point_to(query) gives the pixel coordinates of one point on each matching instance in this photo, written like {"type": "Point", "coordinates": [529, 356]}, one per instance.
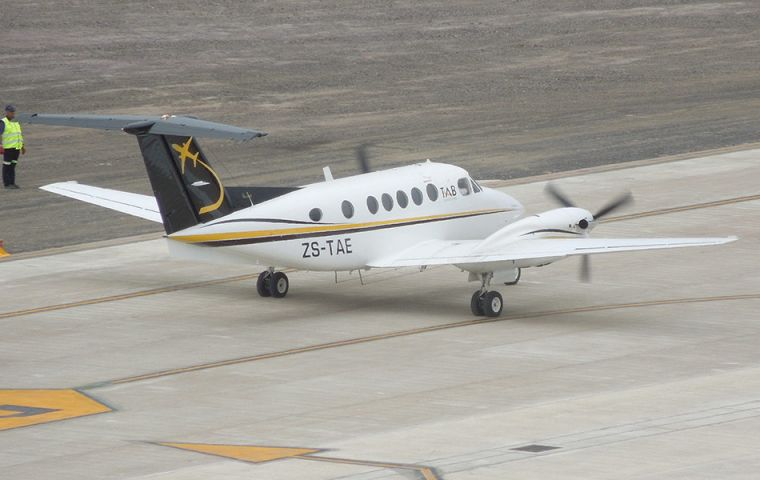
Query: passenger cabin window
{"type": "Point", "coordinates": [402, 199]}
{"type": "Point", "coordinates": [315, 214]}
{"type": "Point", "coordinates": [372, 204]}
{"type": "Point", "coordinates": [387, 201]}
{"type": "Point", "coordinates": [475, 187]}
{"type": "Point", "coordinates": [464, 186]}
{"type": "Point", "coordinates": [348, 208]}
{"type": "Point", "coordinates": [432, 192]}
{"type": "Point", "coordinates": [417, 196]}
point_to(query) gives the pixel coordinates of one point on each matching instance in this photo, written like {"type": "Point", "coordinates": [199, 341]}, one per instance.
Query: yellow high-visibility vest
{"type": "Point", "coordinates": [12, 135]}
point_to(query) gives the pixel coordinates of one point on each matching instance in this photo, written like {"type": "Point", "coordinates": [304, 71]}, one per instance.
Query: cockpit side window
{"type": "Point", "coordinates": [475, 187]}
{"type": "Point", "coordinates": [464, 186]}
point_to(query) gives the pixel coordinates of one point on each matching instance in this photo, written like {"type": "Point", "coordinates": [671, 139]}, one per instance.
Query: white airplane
{"type": "Point", "coordinates": [418, 215]}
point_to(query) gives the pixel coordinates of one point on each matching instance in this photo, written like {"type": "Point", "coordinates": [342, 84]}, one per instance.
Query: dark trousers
{"type": "Point", "coordinates": [10, 159]}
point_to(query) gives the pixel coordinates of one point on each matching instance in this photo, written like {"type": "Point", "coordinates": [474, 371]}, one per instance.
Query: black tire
{"type": "Point", "coordinates": [492, 303]}
{"type": "Point", "coordinates": [262, 284]}
{"type": "Point", "coordinates": [519, 274]}
{"type": "Point", "coordinates": [279, 285]}
{"type": "Point", "coordinates": [475, 306]}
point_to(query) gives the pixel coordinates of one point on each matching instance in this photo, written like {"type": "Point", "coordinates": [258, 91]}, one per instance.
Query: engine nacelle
{"type": "Point", "coordinates": [566, 222]}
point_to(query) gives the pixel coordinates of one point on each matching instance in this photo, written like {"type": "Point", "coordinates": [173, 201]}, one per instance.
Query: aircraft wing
{"type": "Point", "coordinates": [465, 253]}
{"type": "Point", "coordinates": [143, 206]}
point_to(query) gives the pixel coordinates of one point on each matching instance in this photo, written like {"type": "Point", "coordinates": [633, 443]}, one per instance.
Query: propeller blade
{"type": "Point", "coordinates": [363, 158]}
{"type": "Point", "coordinates": [554, 192]}
{"type": "Point", "coordinates": [586, 269]}
{"type": "Point", "coordinates": [620, 201]}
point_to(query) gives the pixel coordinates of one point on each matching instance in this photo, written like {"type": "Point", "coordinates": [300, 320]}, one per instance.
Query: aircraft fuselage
{"type": "Point", "coordinates": [343, 224]}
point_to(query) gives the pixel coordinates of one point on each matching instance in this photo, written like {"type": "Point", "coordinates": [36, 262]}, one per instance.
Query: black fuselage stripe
{"type": "Point", "coordinates": [297, 236]}
{"type": "Point", "coordinates": [269, 220]}
{"type": "Point", "coordinates": [550, 230]}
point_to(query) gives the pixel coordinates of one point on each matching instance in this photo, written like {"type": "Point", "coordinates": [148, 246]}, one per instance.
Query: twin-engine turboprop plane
{"type": "Point", "coordinates": [418, 215]}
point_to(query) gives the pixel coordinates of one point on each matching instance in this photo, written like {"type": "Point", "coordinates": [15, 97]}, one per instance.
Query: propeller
{"type": "Point", "coordinates": [618, 202]}
{"type": "Point", "coordinates": [557, 194]}
{"type": "Point", "coordinates": [363, 158]}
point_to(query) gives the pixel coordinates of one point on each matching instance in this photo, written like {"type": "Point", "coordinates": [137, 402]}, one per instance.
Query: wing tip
{"type": "Point", "coordinates": [51, 186]}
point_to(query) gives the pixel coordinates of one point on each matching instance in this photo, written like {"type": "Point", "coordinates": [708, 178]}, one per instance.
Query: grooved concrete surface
{"type": "Point", "coordinates": [635, 392]}
{"type": "Point", "coordinates": [502, 88]}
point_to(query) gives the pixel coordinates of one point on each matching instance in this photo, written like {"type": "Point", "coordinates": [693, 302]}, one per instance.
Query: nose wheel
{"type": "Point", "coordinates": [272, 284]}
{"type": "Point", "coordinates": [486, 303]}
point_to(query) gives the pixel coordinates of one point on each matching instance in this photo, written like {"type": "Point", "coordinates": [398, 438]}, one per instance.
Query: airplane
{"type": "Point", "coordinates": [418, 215]}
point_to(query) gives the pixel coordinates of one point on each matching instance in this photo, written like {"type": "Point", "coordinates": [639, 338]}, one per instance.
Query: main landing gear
{"type": "Point", "coordinates": [485, 303]}
{"type": "Point", "coordinates": [272, 284]}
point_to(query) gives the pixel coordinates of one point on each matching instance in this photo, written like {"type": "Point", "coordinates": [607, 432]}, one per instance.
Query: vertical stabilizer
{"type": "Point", "coordinates": [186, 187]}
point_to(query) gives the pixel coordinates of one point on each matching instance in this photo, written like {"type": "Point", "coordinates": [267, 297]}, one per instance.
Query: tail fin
{"type": "Point", "coordinates": [187, 188]}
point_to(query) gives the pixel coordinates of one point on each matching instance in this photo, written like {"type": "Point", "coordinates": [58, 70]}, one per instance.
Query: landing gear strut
{"type": "Point", "coordinates": [485, 303]}
{"type": "Point", "coordinates": [272, 284]}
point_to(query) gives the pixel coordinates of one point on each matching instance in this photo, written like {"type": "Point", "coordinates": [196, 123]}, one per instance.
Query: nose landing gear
{"type": "Point", "coordinates": [486, 303]}
{"type": "Point", "coordinates": [272, 284]}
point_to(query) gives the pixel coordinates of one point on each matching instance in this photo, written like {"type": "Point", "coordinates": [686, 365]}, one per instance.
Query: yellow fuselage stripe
{"type": "Point", "coordinates": [213, 237]}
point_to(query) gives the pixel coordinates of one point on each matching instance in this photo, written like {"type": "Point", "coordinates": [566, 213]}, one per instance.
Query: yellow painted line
{"type": "Point", "coordinates": [3, 253]}
{"type": "Point", "coordinates": [21, 408]}
{"type": "Point", "coordinates": [126, 296]}
{"type": "Point", "coordinates": [262, 454]}
{"type": "Point", "coordinates": [684, 208]}
{"type": "Point", "coordinates": [246, 453]}
{"type": "Point", "coordinates": [416, 331]}
{"type": "Point", "coordinates": [210, 237]}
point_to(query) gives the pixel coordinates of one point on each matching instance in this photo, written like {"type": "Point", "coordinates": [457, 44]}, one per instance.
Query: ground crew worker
{"type": "Point", "coordinates": [12, 146]}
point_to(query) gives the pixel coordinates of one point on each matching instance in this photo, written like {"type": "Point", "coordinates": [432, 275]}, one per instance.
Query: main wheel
{"type": "Point", "coordinates": [262, 284]}
{"type": "Point", "coordinates": [491, 303]}
{"type": "Point", "coordinates": [278, 285]}
{"type": "Point", "coordinates": [475, 306]}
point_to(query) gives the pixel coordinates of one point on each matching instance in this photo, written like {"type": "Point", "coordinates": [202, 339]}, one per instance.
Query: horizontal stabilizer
{"type": "Point", "coordinates": [163, 125]}
{"type": "Point", "coordinates": [143, 206]}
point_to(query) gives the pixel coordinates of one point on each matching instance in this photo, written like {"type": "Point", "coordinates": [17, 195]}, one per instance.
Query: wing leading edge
{"type": "Point", "coordinates": [466, 253]}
